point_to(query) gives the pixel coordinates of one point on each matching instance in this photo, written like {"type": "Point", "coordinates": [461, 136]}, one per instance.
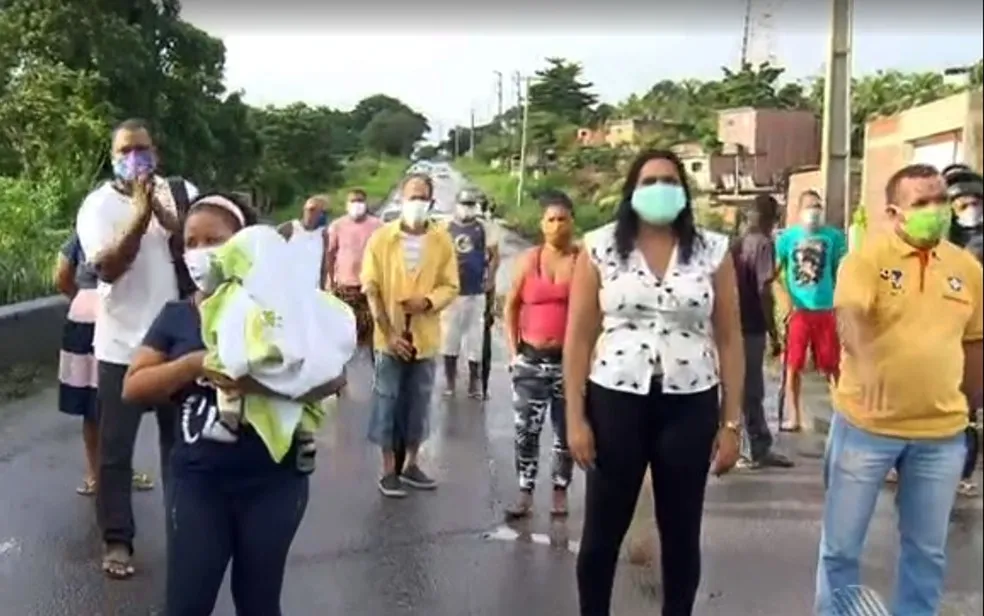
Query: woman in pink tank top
{"type": "Point", "coordinates": [535, 319]}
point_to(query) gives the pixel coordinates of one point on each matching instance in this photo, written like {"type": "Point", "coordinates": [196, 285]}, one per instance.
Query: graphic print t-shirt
{"type": "Point", "coordinates": [469, 241]}
{"type": "Point", "coordinates": [810, 261]}
{"type": "Point", "coordinates": [175, 333]}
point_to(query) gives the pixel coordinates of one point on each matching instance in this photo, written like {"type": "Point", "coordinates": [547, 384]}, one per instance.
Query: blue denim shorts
{"type": "Point", "coordinates": [401, 398]}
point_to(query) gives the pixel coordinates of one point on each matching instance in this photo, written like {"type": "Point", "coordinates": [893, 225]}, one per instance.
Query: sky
{"type": "Point", "coordinates": [442, 61]}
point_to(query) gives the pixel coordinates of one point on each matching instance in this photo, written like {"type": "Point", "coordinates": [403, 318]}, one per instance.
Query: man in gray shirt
{"type": "Point", "coordinates": [755, 265]}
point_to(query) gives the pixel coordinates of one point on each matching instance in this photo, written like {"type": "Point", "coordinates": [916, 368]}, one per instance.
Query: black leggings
{"type": "Point", "coordinates": [674, 436]}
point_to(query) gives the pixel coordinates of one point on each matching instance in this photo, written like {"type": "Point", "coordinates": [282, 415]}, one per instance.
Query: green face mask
{"type": "Point", "coordinates": [927, 224]}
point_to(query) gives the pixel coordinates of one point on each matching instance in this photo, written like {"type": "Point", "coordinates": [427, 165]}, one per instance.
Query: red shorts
{"type": "Point", "coordinates": [816, 330]}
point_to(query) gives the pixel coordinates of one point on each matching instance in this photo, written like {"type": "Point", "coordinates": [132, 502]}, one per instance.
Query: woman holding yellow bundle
{"type": "Point", "coordinates": [228, 500]}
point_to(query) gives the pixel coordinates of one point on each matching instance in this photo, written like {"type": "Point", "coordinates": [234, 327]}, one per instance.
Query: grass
{"type": "Point", "coordinates": [524, 217]}
{"type": "Point", "coordinates": [376, 177]}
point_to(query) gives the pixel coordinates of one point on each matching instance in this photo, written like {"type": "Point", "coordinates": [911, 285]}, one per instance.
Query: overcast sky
{"type": "Point", "coordinates": [442, 61]}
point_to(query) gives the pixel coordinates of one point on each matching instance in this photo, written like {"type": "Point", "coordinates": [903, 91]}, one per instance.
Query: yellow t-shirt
{"type": "Point", "coordinates": [920, 307]}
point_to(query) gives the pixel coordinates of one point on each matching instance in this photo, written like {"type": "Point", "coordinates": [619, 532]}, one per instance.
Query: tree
{"type": "Point", "coordinates": [884, 93]}
{"type": "Point", "coordinates": [393, 133]}
{"type": "Point", "coordinates": [558, 89]}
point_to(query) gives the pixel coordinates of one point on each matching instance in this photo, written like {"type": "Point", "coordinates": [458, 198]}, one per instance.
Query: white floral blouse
{"type": "Point", "coordinates": [656, 327]}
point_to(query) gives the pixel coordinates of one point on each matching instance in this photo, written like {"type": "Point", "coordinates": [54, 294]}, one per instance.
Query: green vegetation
{"type": "Point", "coordinates": [71, 71]}
{"type": "Point", "coordinates": [377, 177]}
{"type": "Point", "coordinates": [673, 112]}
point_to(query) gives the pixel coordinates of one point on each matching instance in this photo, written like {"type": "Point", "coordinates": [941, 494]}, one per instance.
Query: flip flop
{"type": "Point", "coordinates": [142, 482]}
{"type": "Point", "coordinates": [88, 488]}
{"type": "Point", "coordinates": [116, 563]}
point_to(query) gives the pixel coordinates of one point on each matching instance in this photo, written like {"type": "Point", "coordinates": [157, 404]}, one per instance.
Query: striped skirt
{"type": "Point", "coordinates": [356, 299]}
{"type": "Point", "coordinates": [76, 362]}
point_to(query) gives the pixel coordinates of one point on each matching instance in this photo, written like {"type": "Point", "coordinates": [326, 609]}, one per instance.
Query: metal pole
{"type": "Point", "coordinates": [522, 145]}
{"type": "Point", "coordinates": [498, 97]}
{"type": "Point", "coordinates": [745, 35]}
{"type": "Point", "coordinates": [835, 161]}
{"type": "Point", "coordinates": [471, 135]}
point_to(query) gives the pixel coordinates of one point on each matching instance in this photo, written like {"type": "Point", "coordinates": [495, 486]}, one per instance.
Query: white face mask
{"type": "Point", "coordinates": [467, 212]}
{"type": "Point", "coordinates": [357, 209]}
{"type": "Point", "coordinates": [200, 266]}
{"type": "Point", "coordinates": [811, 217]}
{"type": "Point", "coordinates": [970, 217]}
{"type": "Point", "coordinates": [414, 212]}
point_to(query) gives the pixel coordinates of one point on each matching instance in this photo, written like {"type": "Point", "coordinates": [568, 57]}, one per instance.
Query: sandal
{"type": "Point", "coordinates": [559, 509]}
{"type": "Point", "coordinates": [142, 482]}
{"type": "Point", "coordinates": [88, 487]}
{"type": "Point", "coordinates": [521, 508]}
{"type": "Point", "coordinates": [116, 562]}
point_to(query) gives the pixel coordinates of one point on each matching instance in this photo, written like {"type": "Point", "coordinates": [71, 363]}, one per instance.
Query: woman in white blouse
{"type": "Point", "coordinates": [644, 391]}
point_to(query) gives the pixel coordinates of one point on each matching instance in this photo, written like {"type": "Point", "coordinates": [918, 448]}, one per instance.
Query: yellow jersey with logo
{"type": "Point", "coordinates": [920, 307]}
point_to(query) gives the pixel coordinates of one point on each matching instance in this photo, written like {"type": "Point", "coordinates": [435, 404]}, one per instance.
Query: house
{"type": "Point", "coordinates": [590, 137]}
{"type": "Point", "coordinates": [809, 177]}
{"type": "Point", "coordinates": [704, 168]}
{"type": "Point", "coordinates": [765, 143]}
{"type": "Point", "coordinates": [940, 133]}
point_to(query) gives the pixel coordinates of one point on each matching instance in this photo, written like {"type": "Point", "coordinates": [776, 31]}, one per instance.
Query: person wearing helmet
{"type": "Point", "coordinates": [965, 189]}
{"type": "Point", "coordinates": [462, 322]}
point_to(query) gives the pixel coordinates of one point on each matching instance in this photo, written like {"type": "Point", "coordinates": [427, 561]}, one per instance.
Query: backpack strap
{"type": "Point", "coordinates": [179, 194]}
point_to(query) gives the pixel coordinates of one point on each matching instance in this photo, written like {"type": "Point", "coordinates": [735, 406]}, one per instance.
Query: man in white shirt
{"type": "Point", "coordinates": [308, 236]}
{"type": "Point", "coordinates": [124, 227]}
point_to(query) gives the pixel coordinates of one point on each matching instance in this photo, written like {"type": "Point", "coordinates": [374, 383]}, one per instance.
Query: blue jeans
{"type": "Point", "coordinates": [855, 468]}
{"type": "Point", "coordinates": [401, 398]}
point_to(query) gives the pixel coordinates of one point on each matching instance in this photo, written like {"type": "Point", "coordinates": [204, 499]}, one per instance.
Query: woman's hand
{"type": "Point", "coordinates": [581, 443]}
{"type": "Point", "coordinates": [727, 449]}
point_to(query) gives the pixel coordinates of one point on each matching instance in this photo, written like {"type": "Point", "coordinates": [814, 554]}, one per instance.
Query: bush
{"type": "Point", "coordinates": [28, 241]}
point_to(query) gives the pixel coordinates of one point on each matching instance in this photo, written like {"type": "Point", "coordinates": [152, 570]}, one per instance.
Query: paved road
{"type": "Point", "coordinates": [440, 554]}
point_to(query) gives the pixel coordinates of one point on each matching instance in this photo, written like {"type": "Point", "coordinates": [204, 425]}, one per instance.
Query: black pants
{"type": "Point", "coordinates": [118, 426]}
{"type": "Point", "coordinates": [674, 436]}
{"type": "Point", "coordinates": [970, 464]}
{"type": "Point", "coordinates": [250, 520]}
{"type": "Point", "coordinates": [753, 407]}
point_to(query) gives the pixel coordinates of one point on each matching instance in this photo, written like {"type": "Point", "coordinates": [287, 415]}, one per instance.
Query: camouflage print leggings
{"type": "Point", "coordinates": [538, 388]}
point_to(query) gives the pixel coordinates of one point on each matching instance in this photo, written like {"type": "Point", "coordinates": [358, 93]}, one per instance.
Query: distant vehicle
{"type": "Point", "coordinates": [389, 215]}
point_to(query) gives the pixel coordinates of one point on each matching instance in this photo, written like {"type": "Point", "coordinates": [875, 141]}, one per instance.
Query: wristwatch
{"type": "Point", "coordinates": [734, 426]}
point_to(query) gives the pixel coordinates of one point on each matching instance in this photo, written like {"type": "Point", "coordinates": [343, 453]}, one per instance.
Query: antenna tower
{"type": "Point", "coordinates": [759, 43]}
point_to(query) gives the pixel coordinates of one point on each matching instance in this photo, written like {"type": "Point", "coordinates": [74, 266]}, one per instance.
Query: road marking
{"type": "Point", "coordinates": [9, 546]}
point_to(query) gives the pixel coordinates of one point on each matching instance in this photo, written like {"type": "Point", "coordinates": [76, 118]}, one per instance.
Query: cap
{"type": "Point", "coordinates": [470, 195]}
{"type": "Point", "coordinates": [962, 181]}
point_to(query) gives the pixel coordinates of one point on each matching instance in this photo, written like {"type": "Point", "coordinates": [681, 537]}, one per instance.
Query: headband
{"type": "Point", "coordinates": [223, 203]}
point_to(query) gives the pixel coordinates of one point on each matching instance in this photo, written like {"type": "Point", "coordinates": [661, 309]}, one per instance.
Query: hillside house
{"type": "Point", "coordinates": [766, 143]}
{"type": "Point", "coordinates": [704, 168]}
{"type": "Point", "coordinates": [940, 133]}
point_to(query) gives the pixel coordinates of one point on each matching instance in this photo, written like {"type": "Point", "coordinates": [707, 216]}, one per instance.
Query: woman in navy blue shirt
{"type": "Point", "coordinates": [226, 501]}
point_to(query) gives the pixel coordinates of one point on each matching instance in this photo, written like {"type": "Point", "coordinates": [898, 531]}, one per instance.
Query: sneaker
{"type": "Point", "coordinates": [747, 464]}
{"type": "Point", "coordinates": [390, 486]}
{"type": "Point", "coordinates": [415, 478]}
{"type": "Point", "coordinates": [775, 460]}
{"type": "Point", "coordinates": [967, 488]}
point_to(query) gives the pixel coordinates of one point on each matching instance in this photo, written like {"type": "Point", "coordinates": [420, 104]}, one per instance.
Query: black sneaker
{"type": "Point", "coordinates": [775, 460]}
{"type": "Point", "coordinates": [390, 486]}
{"type": "Point", "coordinates": [415, 478]}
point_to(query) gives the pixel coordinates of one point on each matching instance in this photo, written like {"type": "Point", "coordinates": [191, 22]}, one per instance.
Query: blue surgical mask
{"type": "Point", "coordinates": [659, 204]}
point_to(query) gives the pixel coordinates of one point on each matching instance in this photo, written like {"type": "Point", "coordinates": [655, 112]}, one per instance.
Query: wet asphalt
{"type": "Point", "coordinates": [445, 553]}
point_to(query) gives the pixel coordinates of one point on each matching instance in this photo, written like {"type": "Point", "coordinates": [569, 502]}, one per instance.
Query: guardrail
{"type": "Point", "coordinates": [31, 331]}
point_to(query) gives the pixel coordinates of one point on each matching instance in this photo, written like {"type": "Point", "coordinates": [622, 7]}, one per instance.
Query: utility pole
{"type": "Point", "coordinates": [746, 34]}
{"type": "Point", "coordinates": [522, 144]}
{"type": "Point", "coordinates": [471, 135]}
{"type": "Point", "coordinates": [835, 158]}
{"type": "Point", "coordinates": [498, 97]}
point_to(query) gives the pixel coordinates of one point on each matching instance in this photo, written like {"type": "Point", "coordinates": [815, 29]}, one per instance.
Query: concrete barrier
{"type": "Point", "coordinates": [31, 331]}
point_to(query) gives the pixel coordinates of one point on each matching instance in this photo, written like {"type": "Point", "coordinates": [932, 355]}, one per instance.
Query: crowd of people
{"type": "Point", "coordinates": [643, 343]}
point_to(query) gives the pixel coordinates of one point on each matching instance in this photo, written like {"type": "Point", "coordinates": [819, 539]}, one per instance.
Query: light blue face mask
{"type": "Point", "coordinates": [659, 204]}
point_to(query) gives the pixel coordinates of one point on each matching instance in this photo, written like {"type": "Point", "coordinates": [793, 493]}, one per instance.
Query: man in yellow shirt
{"type": "Point", "coordinates": [409, 274]}
{"type": "Point", "coordinates": [909, 309]}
